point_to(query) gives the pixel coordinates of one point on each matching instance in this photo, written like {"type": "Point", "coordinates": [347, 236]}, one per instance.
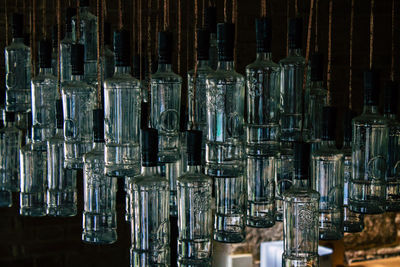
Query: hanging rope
{"type": "Point", "coordinates": [44, 32]}
{"type": "Point", "coordinates": [296, 8]}
{"type": "Point", "coordinates": [140, 39]}
{"type": "Point", "coordinates": [166, 14]}
{"type": "Point", "coordinates": [78, 21]}
{"type": "Point", "coordinates": [193, 99]}
{"type": "Point", "coordinates": [371, 34]}
{"type": "Point", "coordinates": [120, 24]}
{"type": "Point", "coordinates": [234, 21]}
{"type": "Point", "coordinates": [98, 56]}
{"type": "Point", "coordinates": [58, 47]}
{"type": "Point", "coordinates": [316, 26]}
{"type": "Point", "coordinates": [263, 8]}
{"type": "Point", "coordinates": [329, 67]}
{"type": "Point", "coordinates": [392, 45]}
{"type": "Point", "coordinates": [148, 41]}
{"type": "Point", "coordinates": [133, 26]}
{"type": "Point", "coordinates": [33, 51]}
{"type": "Point", "coordinates": [351, 54]}
{"type": "Point", "coordinates": [287, 26]}
{"type": "Point", "coordinates": [104, 9]}
{"type": "Point", "coordinates": [6, 18]}
{"type": "Point", "coordinates": [180, 35]}
{"type": "Point", "coordinates": [225, 11]}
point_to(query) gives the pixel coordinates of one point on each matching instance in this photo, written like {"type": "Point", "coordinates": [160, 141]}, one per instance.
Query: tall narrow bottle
{"type": "Point", "coordinates": [150, 209]}
{"type": "Point", "coordinates": [18, 69]}
{"type": "Point", "coordinates": [210, 20]}
{"type": "Point", "coordinates": [224, 145]}
{"type": "Point", "coordinates": [393, 160]}
{"type": "Point", "coordinates": [369, 153]}
{"type": "Point", "coordinates": [99, 191]}
{"type": "Point", "coordinates": [300, 223]}
{"type": "Point", "coordinates": [352, 222]}
{"type": "Point", "coordinates": [327, 179]}
{"type": "Point", "coordinates": [122, 114]}
{"type": "Point", "coordinates": [292, 77]}
{"type": "Point", "coordinates": [194, 208]}
{"type": "Point", "coordinates": [61, 182]}
{"type": "Point", "coordinates": [78, 101]}
{"type": "Point", "coordinates": [65, 47]}
{"type": "Point", "coordinates": [44, 94]}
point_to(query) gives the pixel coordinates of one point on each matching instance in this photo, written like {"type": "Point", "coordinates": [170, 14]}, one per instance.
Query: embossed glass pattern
{"type": "Point", "coordinates": [393, 167]}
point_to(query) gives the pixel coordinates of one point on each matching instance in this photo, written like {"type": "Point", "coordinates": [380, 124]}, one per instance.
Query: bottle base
{"type": "Point", "coordinates": [33, 211]}
{"type": "Point", "coordinates": [263, 222]}
{"type": "Point", "coordinates": [353, 227]}
{"type": "Point", "coordinates": [100, 237]}
{"type": "Point", "coordinates": [194, 263]}
{"type": "Point", "coordinates": [393, 206]}
{"type": "Point", "coordinates": [62, 211]}
{"type": "Point", "coordinates": [73, 165]}
{"type": "Point", "coordinates": [228, 237]}
{"type": "Point", "coordinates": [33, 204]}
{"type": "Point", "coordinates": [366, 208]}
{"type": "Point", "coordinates": [121, 171]}
{"type": "Point", "coordinates": [306, 261]}
{"type": "Point", "coordinates": [5, 199]}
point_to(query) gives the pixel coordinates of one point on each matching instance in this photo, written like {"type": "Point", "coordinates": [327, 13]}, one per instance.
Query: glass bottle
{"type": "Point", "coordinates": [99, 191]}
{"type": "Point", "coordinates": [300, 223]}
{"type": "Point", "coordinates": [194, 208]}
{"type": "Point", "coordinates": [393, 160]}
{"type": "Point", "coordinates": [317, 99]}
{"type": "Point", "coordinates": [87, 37]}
{"type": "Point", "coordinates": [44, 94]}
{"type": "Point", "coordinates": [292, 77]}
{"type": "Point", "coordinates": [327, 179]}
{"type": "Point", "coordinates": [352, 222]}
{"type": "Point", "coordinates": [165, 101]}
{"type": "Point", "coordinates": [61, 182]}
{"type": "Point", "coordinates": [79, 100]}
{"type": "Point", "coordinates": [122, 114]}
{"type": "Point", "coordinates": [369, 153]}
{"type": "Point", "coordinates": [210, 21]}
{"type": "Point", "coordinates": [65, 47]}
{"type": "Point", "coordinates": [18, 69]}
{"type": "Point", "coordinates": [150, 209]}
{"type": "Point", "coordinates": [5, 192]}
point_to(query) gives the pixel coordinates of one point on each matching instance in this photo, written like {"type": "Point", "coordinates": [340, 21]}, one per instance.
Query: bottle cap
{"type": "Point", "coordinates": [263, 35]}
{"type": "Point", "coordinates": [54, 35]}
{"type": "Point", "coordinates": [59, 114]}
{"type": "Point", "coordinates": [210, 19]}
{"type": "Point", "coordinates": [328, 123]}
{"type": "Point", "coordinates": [107, 33]}
{"type": "Point", "coordinates": [1, 123]}
{"type": "Point", "coordinates": [144, 115]}
{"type": "Point", "coordinates": [27, 39]}
{"type": "Point", "coordinates": [10, 116]}
{"type": "Point", "coordinates": [317, 67]}
{"type": "Point", "coordinates": [136, 67]}
{"type": "Point", "coordinates": [122, 48]}
{"type": "Point", "coordinates": [371, 87]}
{"type": "Point", "coordinates": [77, 59]}
{"type": "Point", "coordinates": [390, 97]}
{"type": "Point", "coordinates": [45, 54]}
{"type": "Point", "coordinates": [83, 3]}
{"type": "Point", "coordinates": [203, 44]}
{"type": "Point", "coordinates": [295, 33]}
{"type": "Point", "coordinates": [18, 25]}
{"type": "Point", "coordinates": [302, 152]}
{"type": "Point", "coordinates": [347, 127]}
{"type": "Point", "coordinates": [164, 47]}
{"type": "Point", "coordinates": [98, 125]}
{"type": "Point", "coordinates": [70, 12]}
{"type": "Point", "coordinates": [225, 41]}
{"type": "Point", "coordinates": [194, 146]}
{"type": "Point", "coordinates": [149, 147]}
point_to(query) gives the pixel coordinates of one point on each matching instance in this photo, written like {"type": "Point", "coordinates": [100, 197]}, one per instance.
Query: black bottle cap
{"type": "Point", "coordinates": [98, 125]}
{"type": "Point", "coordinates": [149, 147]}
{"type": "Point", "coordinates": [77, 59]}
{"type": "Point", "coordinates": [136, 67]}
{"type": "Point", "coordinates": [70, 12]}
{"type": "Point", "coordinates": [17, 25]}
{"type": "Point", "coordinates": [164, 47]}
{"type": "Point", "coordinates": [54, 36]}
{"type": "Point", "coordinates": [302, 152]}
{"type": "Point", "coordinates": [203, 44]}
{"type": "Point", "coordinates": [27, 39]}
{"type": "Point", "coordinates": [107, 33]}
{"type": "Point", "coordinates": [317, 67]}
{"type": "Point", "coordinates": [144, 115]}
{"type": "Point", "coordinates": [10, 116]}
{"type": "Point", "coordinates": [371, 87]}
{"type": "Point", "coordinates": [210, 19]}
{"type": "Point", "coordinates": [194, 145]}
{"type": "Point", "coordinates": [45, 54]}
{"type": "Point", "coordinates": [347, 127]}
{"type": "Point", "coordinates": [83, 3]}
{"type": "Point", "coordinates": [122, 48]}
{"type": "Point", "coordinates": [390, 96]}
{"type": "Point", "coordinates": [59, 114]}
{"type": "Point", "coordinates": [328, 123]}
{"type": "Point", "coordinates": [225, 41]}
{"type": "Point", "coordinates": [295, 33]}
{"type": "Point", "coordinates": [263, 35]}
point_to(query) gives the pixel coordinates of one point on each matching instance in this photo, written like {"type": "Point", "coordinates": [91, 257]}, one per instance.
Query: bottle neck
{"type": "Point", "coordinates": [194, 169]}
{"type": "Point", "coordinates": [390, 116]}
{"type": "Point", "coordinates": [226, 65]}
{"type": "Point", "coordinates": [328, 143]}
{"type": "Point", "coordinates": [346, 144]}
{"type": "Point", "coordinates": [301, 183]}
{"type": "Point", "coordinates": [10, 123]}
{"type": "Point", "coordinates": [370, 109]}
{"type": "Point", "coordinates": [202, 63]}
{"type": "Point", "coordinates": [59, 131]}
{"type": "Point", "coordinates": [317, 84]}
{"type": "Point", "coordinates": [149, 170]}
{"type": "Point", "coordinates": [164, 67]}
{"type": "Point", "coordinates": [295, 52]}
{"type": "Point", "coordinates": [47, 70]}
{"type": "Point", "coordinates": [264, 56]}
{"type": "Point", "coordinates": [98, 145]}
{"type": "Point", "coordinates": [75, 77]}
{"type": "Point", "coordinates": [122, 69]}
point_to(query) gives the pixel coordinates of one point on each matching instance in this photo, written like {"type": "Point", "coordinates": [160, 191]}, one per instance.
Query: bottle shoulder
{"type": "Point", "coordinates": [204, 70]}
{"type": "Point", "coordinates": [44, 78]}
{"type": "Point", "coordinates": [149, 180]}
{"type": "Point", "coordinates": [77, 86]}
{"type": "Point", "coordinates": [318, 92]}
{"type": "Point", "coordinates": [166, 75]}
{"type": "Point", "coordinates": [292, 60]}
{"type": "Point", "coordinates": [14, 46]}
{"type": "Point", "coordinates": [194, 177]}
{"type": "Point", "coordinates": [328, 152]}
{"type": "Point", "coordinates": [94, 155]}
{"type": "Point", "coordinates": [369, 119]}
{"type": "Point", "coordinates": [262, 65]}
{"type": "Point", "coordinates": [225, 76]}
{"type": "Point", "coordinates": [301, 195]}
{"type": "Point", "coordinates": [122, 79]}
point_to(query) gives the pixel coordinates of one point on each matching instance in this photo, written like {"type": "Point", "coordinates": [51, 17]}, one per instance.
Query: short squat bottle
{"type": "Point", "coordinates": [369, 153]}
{"type": "Point", "coordinates": [99, 191]}
{"type": "Point", "coordinates": [79, 100]}
{"type": "Point", "coordinates": [393, 160]}
{"type": "Point", "coordinates": [194, 208]}
{"type": "Point", "coordinates": [150, 209]}
{"type": "Point", "coordinates": [300, 223]}
{"type": "Point", "coordinates": [65, 47]}
{"type": "Point", "coordinates": [327, 179]}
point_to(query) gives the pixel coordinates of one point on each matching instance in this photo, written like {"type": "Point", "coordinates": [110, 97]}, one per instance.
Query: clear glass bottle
{"type": "Point", "coordinates": [393, 159]}
{"type": "Point", "coordinates": [210, 21]}
{"type": "Point", "coordinates": [300, 224]}
{"type": "Point", "coordinates": [352, 222]}
{"type": "Point", "coordinates": [292, 78]}
{"type": "Point", "coordinates": [194, 208]}
{"type": "Point", "coordinates": [87, 37]}
{"type": "Point", "coordinates": [5, 192]}
{"type": "Point", "coordinates": [99, 191]}
{"type": "Point", "coordinates": [65, 47]}
{"type": "Point", "coordinates": [369, 153]}
{"type": "Point", "coordinates": [166, 101]}
{"type": "Point", "coordinates": [61, 182]}
{"type": "Point", "coordinates": [78, 101]}
{"type": "Point", "coordinates": [18, 69]}
{"type": "Point", "coordinates": [44, 94]}
{"type": "Point", "coordinates": [327, 179]}
{"type": "Point", "coordinates": [122, 97]}
{"type": "Point", "coordinates": [150, 209]}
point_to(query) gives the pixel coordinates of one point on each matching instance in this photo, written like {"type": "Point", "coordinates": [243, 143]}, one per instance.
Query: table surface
{"type": "Point", "coordinates": [389, 262]}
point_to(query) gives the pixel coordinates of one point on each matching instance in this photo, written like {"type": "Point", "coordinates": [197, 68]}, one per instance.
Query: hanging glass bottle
{"type": "Point", "coordinates": [210, 21]}
{"type": "Point", "coordinates": [122, 114]}
{"type": "Point", "coordinates": [300, 224]}
{"type": "Point", "coordinates": [150, 209]}
{"type": "Point", "coordinates": [78, 101]}
{"type": "Point", "coordinates": [65, 47]}
{"type": "Point", "coordinates": [99, 191]}
{"type": "Point", "coordinates": [369, 153]}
